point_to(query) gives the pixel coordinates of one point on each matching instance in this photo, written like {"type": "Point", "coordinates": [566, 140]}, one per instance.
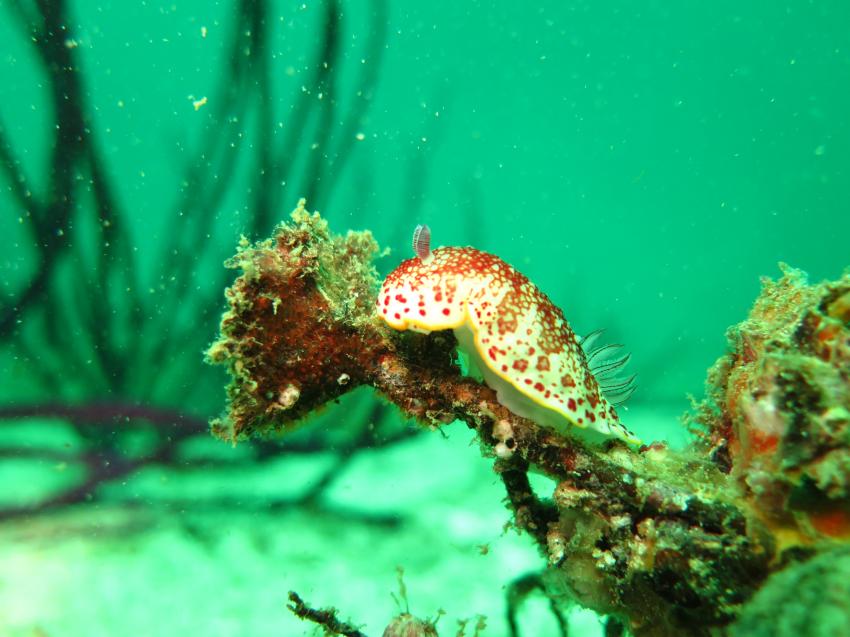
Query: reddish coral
{"type": "Point", "coordinates": [293, 330]}
{"type": "Point", "coordinates": [779, 407]}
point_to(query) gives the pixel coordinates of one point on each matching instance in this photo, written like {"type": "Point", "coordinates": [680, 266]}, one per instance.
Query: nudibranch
{"type": "Point", "coordinates": [513, 333]}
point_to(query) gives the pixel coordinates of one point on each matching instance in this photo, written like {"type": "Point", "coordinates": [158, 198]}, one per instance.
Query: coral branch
{"type": "Point", "coordinates": [668, 542]}
{"type": "Point", "coordinates": [325, 617]}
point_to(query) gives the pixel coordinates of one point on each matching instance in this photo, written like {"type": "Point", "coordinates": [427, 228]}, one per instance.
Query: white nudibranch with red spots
{"type": "Point", "coordinates": [513, 333]}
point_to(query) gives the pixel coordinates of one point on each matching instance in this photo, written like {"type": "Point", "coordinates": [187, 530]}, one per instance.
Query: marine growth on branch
{"type": "Point", "coordinates": [667, 542]}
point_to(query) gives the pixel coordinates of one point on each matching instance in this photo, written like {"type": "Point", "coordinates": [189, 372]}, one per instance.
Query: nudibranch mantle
{"type": "Point", "coordinates": [516, 336]}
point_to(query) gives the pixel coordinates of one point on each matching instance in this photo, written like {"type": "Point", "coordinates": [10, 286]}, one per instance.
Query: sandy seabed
{"type": "Point", "coordinates": [160, 555]}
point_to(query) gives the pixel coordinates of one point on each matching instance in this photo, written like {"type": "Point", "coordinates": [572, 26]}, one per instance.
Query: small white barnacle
{"type": "Point", "coordinates": [288, 396]}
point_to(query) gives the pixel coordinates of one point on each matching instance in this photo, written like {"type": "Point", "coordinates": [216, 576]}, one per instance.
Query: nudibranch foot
{"type": "Point", "coordinates": [513, 333]}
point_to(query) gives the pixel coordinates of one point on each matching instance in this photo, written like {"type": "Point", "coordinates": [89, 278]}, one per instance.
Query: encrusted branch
{"type": "Point", "coordinates": [671, 543]}
{"type": "Point", "coordinates": [325, 617]}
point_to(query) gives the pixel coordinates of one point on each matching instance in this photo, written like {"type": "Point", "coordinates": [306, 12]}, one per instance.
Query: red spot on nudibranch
{"type": "Point", "coordinates": [543, 363]}
{"type": "Point", "coordinates": [571, 404]}
{"type": "Point", "coordinates": [539, 386]}
{"type": "Point", "coordinates": [506, 322]}
{"type": "Point", "coordinates": [590, 415]}
{"type": "Point", "coordinates": [520, 365]}
{"type": "Point", "coordinates": [446, 311]}
{"type": "Point", "coordinates": [567, 381]}
{"type": "Point", "coordinates": [421, 312]}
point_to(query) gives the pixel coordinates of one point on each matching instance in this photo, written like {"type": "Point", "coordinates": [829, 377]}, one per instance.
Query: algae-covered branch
{"type": "Point", "coordinates": [670, 543]}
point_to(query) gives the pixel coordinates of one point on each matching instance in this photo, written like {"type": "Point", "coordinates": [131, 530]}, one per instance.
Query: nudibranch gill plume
{"type": "Point", "coordinates": [512, 332]}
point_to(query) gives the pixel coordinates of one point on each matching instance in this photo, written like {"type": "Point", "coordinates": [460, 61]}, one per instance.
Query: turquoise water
{"type": "Point", "coordinates": [645, 164]}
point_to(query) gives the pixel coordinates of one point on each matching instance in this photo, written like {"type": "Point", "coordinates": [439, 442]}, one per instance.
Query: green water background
{"type": "Point", "coordinates": [645, 163]}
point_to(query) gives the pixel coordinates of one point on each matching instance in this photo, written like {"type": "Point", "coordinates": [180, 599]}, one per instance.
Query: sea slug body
{"type": "Point", "coordinates": [518, 339]}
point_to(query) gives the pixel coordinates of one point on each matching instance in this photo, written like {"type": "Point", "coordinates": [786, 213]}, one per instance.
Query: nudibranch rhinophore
{"type": "Point", "coordinates": [513, 333]}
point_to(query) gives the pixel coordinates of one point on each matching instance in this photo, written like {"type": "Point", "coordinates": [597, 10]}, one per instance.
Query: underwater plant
{"type": "Point", "coordinates": [666, 542]}
{"type": "Point", "coordinates": [99, 338]}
